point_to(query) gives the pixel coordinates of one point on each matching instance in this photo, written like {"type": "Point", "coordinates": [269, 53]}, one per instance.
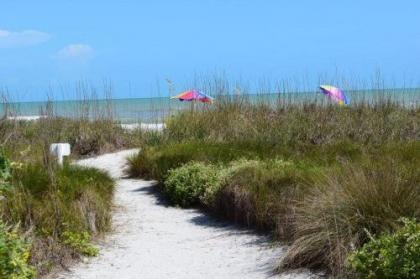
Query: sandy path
{"type": "Point", "coordinates": [152, 240]}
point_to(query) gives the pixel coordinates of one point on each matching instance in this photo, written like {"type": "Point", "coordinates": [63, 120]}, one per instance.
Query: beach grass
{"type": "Point", "coordinates": [345, 172]}
{"type": "Point", "coordinates": [57, 210]}
{"type": "Point", "coordinates": [47, 204]}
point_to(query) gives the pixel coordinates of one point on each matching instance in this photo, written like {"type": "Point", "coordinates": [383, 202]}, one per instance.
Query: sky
{"type": "Point", "coordinates": [137, 45]}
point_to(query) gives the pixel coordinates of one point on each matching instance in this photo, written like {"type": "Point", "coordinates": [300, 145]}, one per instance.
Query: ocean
{"type": "Point", "coordinates": [154, 110]}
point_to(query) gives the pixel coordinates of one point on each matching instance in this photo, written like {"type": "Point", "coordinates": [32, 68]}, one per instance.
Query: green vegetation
{"type": "Point", "coordinates": [4, 173]}
{"type": "Point", "coordinates": [29, 140]}
{"type": "Point", "coordinates": [57, 209]}
{"type": "Point", "coordinates": [262, 193]}
{"type": "Point", "coordinates": [318, 176]}
{"type": "Point", "coordinates": [187, 184]}
{"type": "Point", "coordinates": [49, 202]}
{"type": "Point", "coordinates": [80, 242]}
{"type": "Point", "coordinates": [155, 161]}
{"type": "Point", "coordinates": [14, 255]}
{"type": "Point", "coordinates": [394, 255]}
{"type": "Point", "coordinates": [337, 212]}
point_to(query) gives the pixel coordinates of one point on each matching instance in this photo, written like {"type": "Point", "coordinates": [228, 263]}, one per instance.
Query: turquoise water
{"type": "Point", "coordinates": [151, 110]}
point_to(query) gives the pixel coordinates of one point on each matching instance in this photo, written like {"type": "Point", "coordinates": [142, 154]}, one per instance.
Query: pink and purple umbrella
{"type": "Point", "coordinates": [194, 95]}
{"type": "Point", "coordinates": [335, 94]}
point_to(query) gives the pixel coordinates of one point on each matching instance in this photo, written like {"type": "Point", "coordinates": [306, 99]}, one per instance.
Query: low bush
{"type": "Point", "coordinates": [14, 255]}
{"type": "Point", "coordinates": [185, 185]}
{"type": "Point", "coordinates": [80, 242]}
{"type": "Point", "coordinates": [256, 193]}
{"type": "Point", "coordinates": [389, 256]}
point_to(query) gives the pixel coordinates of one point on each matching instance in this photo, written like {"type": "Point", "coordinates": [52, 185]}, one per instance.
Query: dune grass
{"type": "Point", "coordinates": [87, 138]}
{"type": "Point", "coordinates": [46, 203]}
{"type": "Point", "coordinates": [57, 211]}
{"type": "Point", "coordinates": [338, 214]}
{"type": "Point", "coordinates": [318, 176]}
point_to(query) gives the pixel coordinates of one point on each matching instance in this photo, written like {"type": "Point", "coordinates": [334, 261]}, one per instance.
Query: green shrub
{"type": "Point", "coordinates": [14, 255]}
{"type": "Point", "coordinates": [225, 174]}
{"type": "Point", "coordinates": [80, 242]}
{"type": "Point", "coordinates": [394, 255]}
{"type": "Point", "coordinates": [185, 185]}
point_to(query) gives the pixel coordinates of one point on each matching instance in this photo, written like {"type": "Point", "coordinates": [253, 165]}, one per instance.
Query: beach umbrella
{"type": "Point", "coordinates": [194, 96]}
{"type": "Point", "coordinates": [335, 94]}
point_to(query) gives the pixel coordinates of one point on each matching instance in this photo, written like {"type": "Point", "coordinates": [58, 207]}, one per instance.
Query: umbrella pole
{"type": "Point", "coordinates": [192, 106]}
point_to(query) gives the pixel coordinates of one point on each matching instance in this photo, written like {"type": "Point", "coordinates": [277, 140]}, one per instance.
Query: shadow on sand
{"type": "Point", "coordinates": [153, 190]}
{"type": "Point", "coordinates": [221, 227]}
{"type": "Point", "coordinates": [202, 218]}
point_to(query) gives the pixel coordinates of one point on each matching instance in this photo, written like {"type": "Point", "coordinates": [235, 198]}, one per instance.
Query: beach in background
{"type": "Point", "coordinates": [156, 110]}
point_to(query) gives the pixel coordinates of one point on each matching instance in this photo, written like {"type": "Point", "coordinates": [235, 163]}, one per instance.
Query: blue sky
{"type": "Point", "coordinates": [141, 43]}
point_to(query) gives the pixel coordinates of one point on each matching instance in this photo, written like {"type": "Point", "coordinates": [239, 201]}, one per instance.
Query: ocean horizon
{"type": "Point", "coordinates": [156, 109]}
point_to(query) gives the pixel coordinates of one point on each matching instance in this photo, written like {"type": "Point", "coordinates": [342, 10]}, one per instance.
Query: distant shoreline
{"type": "Point", "coordinates": [129, 127]}
{"type": "Point", "coordinates": [410, 90]}
{"type": "Point", "coordinates": [156, 110]}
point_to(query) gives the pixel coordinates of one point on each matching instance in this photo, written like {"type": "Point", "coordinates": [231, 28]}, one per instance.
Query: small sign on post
{"type": "Point", "coordinates": [60, 150]}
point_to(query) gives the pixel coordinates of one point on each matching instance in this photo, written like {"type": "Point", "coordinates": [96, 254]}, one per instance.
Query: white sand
{"type": "Point", "coordinates": [153, 240]}
{"type": "Point", "coordinates": [129, 127]}
{"type": "Point", "coordinates": [26, 117]}
{"type": "Point", "coordinates": [144, 126]}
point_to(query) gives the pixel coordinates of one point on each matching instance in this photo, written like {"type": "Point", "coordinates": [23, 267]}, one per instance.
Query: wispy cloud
{"type": "Point", "coordinates": [75, 51]}
{"type": "Point", "coordinates": [11, 39]}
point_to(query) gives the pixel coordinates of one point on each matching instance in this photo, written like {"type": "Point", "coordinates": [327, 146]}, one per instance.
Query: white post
{"type": "Point", "coordinates": [60, 150]}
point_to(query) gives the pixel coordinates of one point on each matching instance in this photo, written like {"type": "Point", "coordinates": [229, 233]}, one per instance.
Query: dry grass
{"type": "Point", "coordinates": [298, 124]}
{"type": "Point", "coordinates": [332, 220]}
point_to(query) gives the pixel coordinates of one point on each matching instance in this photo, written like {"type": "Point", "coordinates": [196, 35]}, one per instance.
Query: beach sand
{"type": "Point", "coordinates": [144, 126]}
{"type": "Point", "coordinates": [26, 117]}
{"type": "Point", "coordinates": [128, 127]}
{"type": "Point", "coordinates": [154, 240]}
